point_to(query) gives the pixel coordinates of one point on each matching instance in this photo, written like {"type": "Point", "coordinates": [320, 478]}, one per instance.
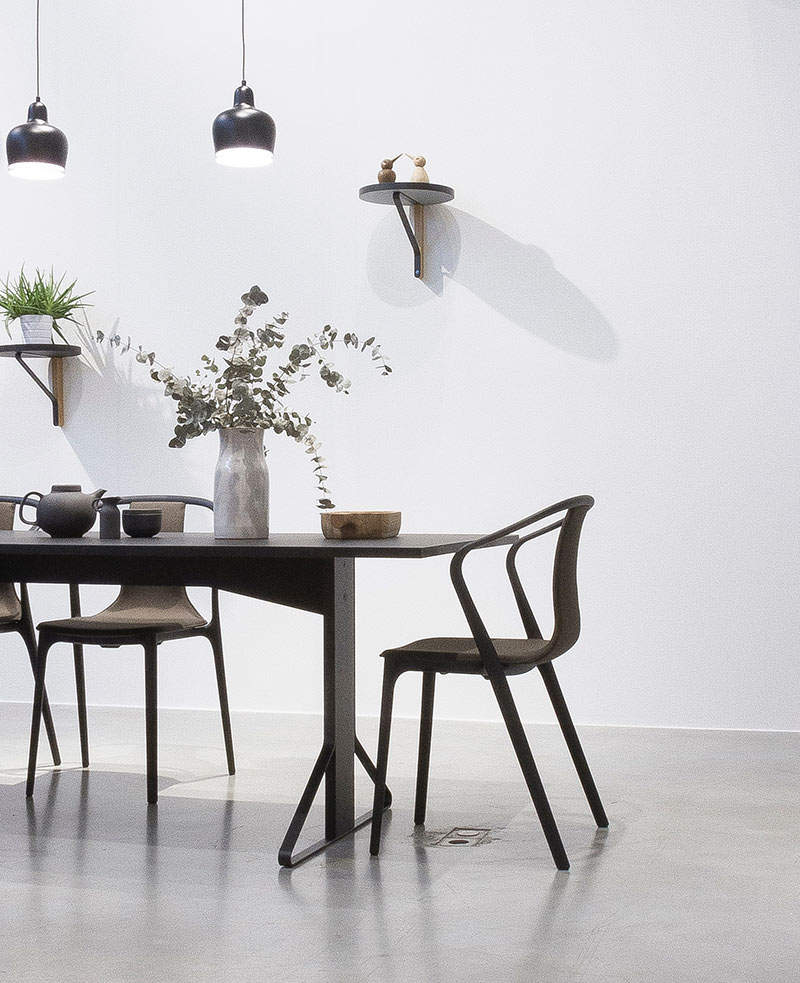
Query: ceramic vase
{"type": "Point", "coordinates": [241, 486]}
{"type": "Point", "coordinates": [37, 329]}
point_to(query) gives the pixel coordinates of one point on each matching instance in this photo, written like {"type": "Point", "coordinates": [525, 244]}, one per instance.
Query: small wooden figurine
{"type": "Point", "coordinates": [419, 175]}
{"type": "Point", "coordinates": [386, 175]}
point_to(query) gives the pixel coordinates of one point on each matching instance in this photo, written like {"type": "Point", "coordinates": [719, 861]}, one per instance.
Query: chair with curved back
{"type": "Point", "coordinates": [15, 616]}
{"type": "Point", "coordinates": [497, 658]}
{"type": "Point", "coordinates": [145, 616]}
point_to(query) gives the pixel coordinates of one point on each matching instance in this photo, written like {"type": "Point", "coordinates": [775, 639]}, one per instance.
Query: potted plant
{"type": "Point", "coordinates": [39, 303]}
{"type": "Point", "coordinates": [236, 393]}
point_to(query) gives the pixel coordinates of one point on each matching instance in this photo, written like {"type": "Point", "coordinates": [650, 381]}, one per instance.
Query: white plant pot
{"type": "Point", "coordinates": [241, 486]}
{"type": "Point", "coordinates": [37, 329]}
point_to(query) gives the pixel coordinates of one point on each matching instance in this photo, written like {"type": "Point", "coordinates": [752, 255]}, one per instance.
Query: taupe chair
{"type": "Point", "coordinates": [145, 616]}
{"type": "Point", "coordinates": [497, 658]}
{"type": "Point", "coordinates": [15, 616]}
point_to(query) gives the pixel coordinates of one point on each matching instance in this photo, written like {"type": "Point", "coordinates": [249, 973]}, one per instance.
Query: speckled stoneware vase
{"type": "Point", "coordinates": [241, 486]}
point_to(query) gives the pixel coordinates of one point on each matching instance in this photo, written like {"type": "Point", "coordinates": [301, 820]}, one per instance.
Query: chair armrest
{"type": "Point", "coordinates": [206, 503]}
{"type": "Point", "coordinates": [474, 620]}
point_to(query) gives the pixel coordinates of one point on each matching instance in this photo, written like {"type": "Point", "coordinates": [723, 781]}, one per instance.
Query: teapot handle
{"type": "Point", "coordinates": [28, 522]}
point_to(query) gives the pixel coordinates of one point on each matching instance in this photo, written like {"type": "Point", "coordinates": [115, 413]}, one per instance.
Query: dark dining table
{"type": "Point", "coordinates": [300, 570]}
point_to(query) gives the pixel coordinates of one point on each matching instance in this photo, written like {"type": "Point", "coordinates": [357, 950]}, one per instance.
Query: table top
{"type": "Point", "coordinates": [411, 545]}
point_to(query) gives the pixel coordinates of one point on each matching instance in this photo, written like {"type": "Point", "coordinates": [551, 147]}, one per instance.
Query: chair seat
{"type": "Point", "coordinates": [136, 609]}
{"type": "Point", "coordinates": [510, 651]}
{"type": "Point", "coordinates": [10, 607]}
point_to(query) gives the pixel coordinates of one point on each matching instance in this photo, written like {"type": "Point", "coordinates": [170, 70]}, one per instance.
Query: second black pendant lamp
{"type": "Point", "coordinates": [37, 149]}
{"type": "Point", "coordinates": [244, 136]}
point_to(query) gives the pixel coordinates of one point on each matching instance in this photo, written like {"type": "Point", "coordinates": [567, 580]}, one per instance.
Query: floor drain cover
{"type": "Point", "coordinates": [461, 836]}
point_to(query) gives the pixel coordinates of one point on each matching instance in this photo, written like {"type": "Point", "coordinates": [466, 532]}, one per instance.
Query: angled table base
{"type": "Point", "coordinates": [325, 761]}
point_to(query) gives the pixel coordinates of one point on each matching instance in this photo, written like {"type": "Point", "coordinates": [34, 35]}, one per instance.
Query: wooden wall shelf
{"type": "Point", "coordinates": [56, 354]}
{"type": "Point", "coordinates": [415, 194]}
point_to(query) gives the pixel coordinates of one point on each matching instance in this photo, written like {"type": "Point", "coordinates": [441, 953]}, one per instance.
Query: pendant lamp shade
{"type": "Point", "coordinates": [244, 136]}
{"type": "Point", "coordinates": [37, 149]}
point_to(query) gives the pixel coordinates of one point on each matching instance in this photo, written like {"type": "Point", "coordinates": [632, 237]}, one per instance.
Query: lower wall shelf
{"type": "Point", "coordinates": [56, 354]}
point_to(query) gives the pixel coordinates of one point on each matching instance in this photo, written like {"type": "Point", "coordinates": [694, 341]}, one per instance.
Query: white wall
{"type": "Point", "coordinates": [611, 307]}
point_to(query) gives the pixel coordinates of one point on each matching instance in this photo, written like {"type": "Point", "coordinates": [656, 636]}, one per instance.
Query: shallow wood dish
{"type": "Point", "coordinates": [360, 525]}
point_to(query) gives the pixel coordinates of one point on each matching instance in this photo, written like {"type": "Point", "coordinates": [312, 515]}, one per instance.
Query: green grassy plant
{"type": "Point", "coordinates": [40, 294]}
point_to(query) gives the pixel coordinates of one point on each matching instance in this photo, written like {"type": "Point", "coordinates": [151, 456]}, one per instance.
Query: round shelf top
{"type": "Point", "coordinates": [411, 193]}
{"type": "Point", "coordinates": [39, 351]}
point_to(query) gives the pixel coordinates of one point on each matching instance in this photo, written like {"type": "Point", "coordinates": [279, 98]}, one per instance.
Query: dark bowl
{"type": "Point", "coordinates": [141, 522]}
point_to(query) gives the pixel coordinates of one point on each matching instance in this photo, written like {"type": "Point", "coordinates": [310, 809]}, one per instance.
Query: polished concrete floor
{"type": "Point", "coordinates": [697, 879]}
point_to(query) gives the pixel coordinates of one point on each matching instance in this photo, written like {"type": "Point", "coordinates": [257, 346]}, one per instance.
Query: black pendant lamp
{"type": "Point", "coordinates": [244, 136]}
{"type": "Point", "coordinates": [37, 149]}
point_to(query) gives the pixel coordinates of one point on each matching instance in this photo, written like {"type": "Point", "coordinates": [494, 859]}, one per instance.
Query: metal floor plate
{"type": "Point", "coordinates": [459, 836]}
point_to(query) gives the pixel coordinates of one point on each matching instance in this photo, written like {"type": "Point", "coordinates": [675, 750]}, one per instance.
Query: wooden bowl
{"type": "Point", "coordinates": [360, 525]}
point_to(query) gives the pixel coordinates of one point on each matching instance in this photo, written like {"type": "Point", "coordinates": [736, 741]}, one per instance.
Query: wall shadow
{"type": "Point", "coordinates": [517, 279]}
{"type": "Point", "coordinates": [119, 423]}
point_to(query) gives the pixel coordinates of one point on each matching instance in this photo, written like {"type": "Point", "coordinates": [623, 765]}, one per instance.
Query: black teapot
{"type": "Point", "coordinates": [66, 512]}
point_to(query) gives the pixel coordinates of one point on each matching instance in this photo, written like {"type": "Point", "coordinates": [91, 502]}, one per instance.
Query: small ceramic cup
{"type": "Point", "coordinates": [141, 522]}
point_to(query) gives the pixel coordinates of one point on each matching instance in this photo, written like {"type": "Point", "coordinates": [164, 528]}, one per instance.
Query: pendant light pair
{"type": "Point", "coordinates": [243, 136]}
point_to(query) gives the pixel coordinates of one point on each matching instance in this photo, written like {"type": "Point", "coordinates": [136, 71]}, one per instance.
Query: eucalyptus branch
{"type": "Point", "coordinates": [235, 393]}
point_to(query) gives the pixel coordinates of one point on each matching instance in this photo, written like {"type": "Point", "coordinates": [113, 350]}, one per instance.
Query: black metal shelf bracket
{"type": "Point", "coordinates": [416, 195]}
{"type": "Point", "coordinates": [56, 355]}
{"type": "Point", "coordinates": [18, 357]}
{"type": "Point", "coordinates": [410, 233]}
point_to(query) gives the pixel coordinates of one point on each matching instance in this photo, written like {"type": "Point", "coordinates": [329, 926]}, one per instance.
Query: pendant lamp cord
{"type": "Point", "coordinates": [243, 72]}
{"type": "Point", "coordinates": [37, 49]}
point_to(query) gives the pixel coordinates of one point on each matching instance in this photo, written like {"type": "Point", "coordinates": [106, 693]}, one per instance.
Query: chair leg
{"type": "Point", "coordinates": [571, 737]}
{"type": "Point", "coordinates": [80, 677]}
{"type": "Point", "coordinates": [215, 637]}
{"type": "Point", "coordinates": [151, 717]}
{"type": "Point", "coordinates": [424, 755]}
{"type": "Point", "coordinates": [29, 638]}
{"type": "Point", "coordinates": [50, 730]}
{"type": "Point", "coordinates": [38, 702]}
{"type": "Point", "coordinates": [524, 755]}
{"type": "Point", "coordinates": [384, 733]}
{"type": "Point", "coordinates": [80, 690]}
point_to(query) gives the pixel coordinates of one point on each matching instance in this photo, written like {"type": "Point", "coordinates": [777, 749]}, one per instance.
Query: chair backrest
{"type": "Point", "coordinates": [173, 507]}
{"type": "Point", "coordinates": [9, 602]}
{"type": "Point", "coordinates": [173, 514]}
{"type": "Point", "coordinates": [566, 611]}
{"type": "Point", "coordinates": [7, 506]}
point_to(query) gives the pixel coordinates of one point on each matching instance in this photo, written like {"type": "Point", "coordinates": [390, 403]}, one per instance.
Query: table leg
{"type": "Point", "coordinates": [336, 761]}
{"type": "Point", "coordinates": [339, 700]}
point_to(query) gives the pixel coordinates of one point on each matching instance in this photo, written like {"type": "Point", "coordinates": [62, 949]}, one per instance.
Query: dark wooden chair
{"type": "Point", "coordinates": [15, 616]}
{"type": "Point", "coordinates": [145, 616]}
{"type": "Point", "coordinates": [496, 659]}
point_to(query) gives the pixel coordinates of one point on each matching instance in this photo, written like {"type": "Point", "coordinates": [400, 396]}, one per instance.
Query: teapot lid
{"type": "Point", "coordinates": [65, 488]}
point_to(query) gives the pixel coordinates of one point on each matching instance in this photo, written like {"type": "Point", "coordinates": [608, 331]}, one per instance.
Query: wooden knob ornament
{"type": "Point", "coordinates": [419, 175]}
{"type": "Point", "coordinates": [386, 175]}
